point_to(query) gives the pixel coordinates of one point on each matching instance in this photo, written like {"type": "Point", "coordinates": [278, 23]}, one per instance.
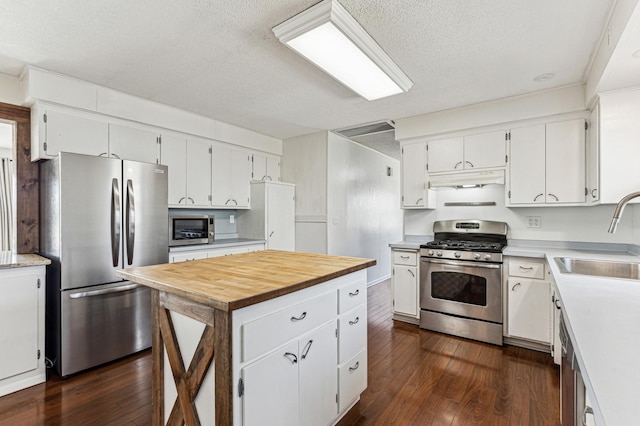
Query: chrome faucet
{"type": "Point", "coordinates": [619, 208]}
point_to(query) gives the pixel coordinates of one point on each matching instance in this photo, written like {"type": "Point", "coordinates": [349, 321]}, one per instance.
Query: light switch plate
{"type": "Point", "coordinates": [533, 222]}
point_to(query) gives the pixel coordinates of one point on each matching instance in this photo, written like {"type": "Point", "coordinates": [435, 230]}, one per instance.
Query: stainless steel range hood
{"type": "Point", "coordinates": [466, 179]}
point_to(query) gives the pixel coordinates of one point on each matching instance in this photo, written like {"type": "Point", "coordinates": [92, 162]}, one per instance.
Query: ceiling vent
{"type": "Point", "coordinates": [379, 136]}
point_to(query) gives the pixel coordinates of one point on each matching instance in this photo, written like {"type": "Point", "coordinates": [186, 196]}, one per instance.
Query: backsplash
{"type": "Point", "coordinates": [580, 224]}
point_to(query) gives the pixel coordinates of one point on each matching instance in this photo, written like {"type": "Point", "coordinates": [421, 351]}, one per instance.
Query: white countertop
{"type": "Point", "coordinates": [603, 321]}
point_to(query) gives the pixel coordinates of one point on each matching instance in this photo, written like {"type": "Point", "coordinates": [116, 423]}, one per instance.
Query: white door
{"type": "Point", "coordinates": [18, 324]}
{"type": "Point", "coordinates": [273, 169]}
{"type": "Point", "coordinates": [280, 212]}
{"type": "Point", "coordinates": [198, 173]}
{"type": "Point", "coordinates": [221, 176]}
{"type": "Point", "coordinates": [318, 376]}
{"type": "Point", "coordinates": [76, 134]}
{"type": "Point", "coordinates": [413, 175]}
{"type": "Point", "coordinates": [240, 178]}
{"type": "Point", "coordinates": [271, 389]}
{"type": "Point", "coordinates": [565, 155]}
{"type": "Point", "coordinates": [259, 167]}
{"type": "Point", "coordinates": [528, 306]}
{"type": "Point", "coordinates": [405, 290]}
{"type": "Point", "coordinates": [527, 165]}
{"type": "Point", "coordinates": [128, 143]}
{"type": "Point", "coordinates": [173, 154]}
{"type": "Point", "coordinates": [485, 150]}
{"type": "Point", "coordinates": [445, 155]}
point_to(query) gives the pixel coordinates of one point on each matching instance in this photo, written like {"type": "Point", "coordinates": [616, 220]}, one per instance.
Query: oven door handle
{"type": "Point", "coordinates": [465, 264]}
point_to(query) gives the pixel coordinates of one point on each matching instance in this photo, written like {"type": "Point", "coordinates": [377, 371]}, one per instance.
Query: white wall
{"type": "Point", "coordinates": [363, 212]}
{"type": "Point", "coordinates": [579, 224]}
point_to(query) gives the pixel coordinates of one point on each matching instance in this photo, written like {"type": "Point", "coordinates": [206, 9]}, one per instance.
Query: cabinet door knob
{"type": "Point", "coordinates": [355, 367]}
{"type": "Point", "coordinates": [411, 272]}
{"type": "Point", "coordinates": [355, 321]}
{"type": "Point", "coordinates": [594, 193]}
{"type": "Point", "coordinates": [300, 318]}
{"type": "Point", "coordinates": [457, 164]}
{"type": "Point", "coordinates": [526, 268]}
{"type": "Point", "coordinates": [292, 357]}
{"type": "Point", "coordinates": [355, 293]}
{"type": "Point", "coordinates": [537, 196]}
{"type": "Point", "coordinates": [514, 286]}
{"type": "Point", "coordinates": [418, 201]}
{"type": "Point", "coordinates": [306, 349]}
{"type": "Point", "coordinates": [551, 195]}
{"type": "Point", "coordinates": [469, 163]}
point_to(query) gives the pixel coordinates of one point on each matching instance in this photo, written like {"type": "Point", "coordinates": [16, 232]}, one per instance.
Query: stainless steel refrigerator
{"type": "Point", "coordinates": [99, 215]}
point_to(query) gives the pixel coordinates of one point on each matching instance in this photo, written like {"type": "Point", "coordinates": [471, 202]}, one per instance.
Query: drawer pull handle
{"type": "Point", "coordinates": [355, 321]}
{"type": "Point", "coordinates": [291, 357]}
{"type": "Point", "coordinates": [355, 367]}
{"type": "Point", "coordinates": [306, 349]}
{"type": "Point", "coordinates": [514, 286]}
{"type": "Point", "coordinates": [404, 257]}
{"type": "Point", "coordinates": [557, 304]}
{"type": "Point", "coordinates": [300, 318]}
{"type": "Point", "coordinates": [526, 268]}
{"type": "Point", "coordinates": [355, 293]}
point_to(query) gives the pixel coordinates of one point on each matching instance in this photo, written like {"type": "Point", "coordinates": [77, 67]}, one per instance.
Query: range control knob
{"type": "Point", "coordinates": [487, 256]}
{"type": "Point", "coordinates": [476, 255]}
{"type": "Point", "coordinates": [457, 254]}
{"type": "Point", "coordinates": [430, 253]}
{"type": "Point", "coordinates": [438, 253]}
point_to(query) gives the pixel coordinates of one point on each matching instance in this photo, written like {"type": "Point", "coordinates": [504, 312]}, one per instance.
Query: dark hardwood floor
{"type": "Point", "coordinates": [415, 378]}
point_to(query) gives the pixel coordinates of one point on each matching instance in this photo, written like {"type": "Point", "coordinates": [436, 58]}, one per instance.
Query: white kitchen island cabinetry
{"type": "Point", "coordinates": [405, 282]}
{"type": "Point", "coordinates": [196, 254]}
{"type": "Point", "coordinates": [547, 164]}
{"type": "Point", "coordinates": [415, 194]}
{"type": "Point", "coordinates": [189, 163]}
{"type": "Point", "coordinates": [471, 152]}
{"type": "Point", "coordinates": [272, 215]}
{"type": "Point", "coordinates": [22, 362]}
{"type": "Point", "coordinates": [528, 294]}
{"type": "Point", "coordinates": [230, 176]}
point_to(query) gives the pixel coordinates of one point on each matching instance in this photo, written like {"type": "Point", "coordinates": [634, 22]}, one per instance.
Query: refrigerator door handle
{"type": "Point", "coordinates": [131, 221]}
{"type": "Point", "coordinates": [92, 293]}
{"type": "Point", "coordinates": [115, 222]}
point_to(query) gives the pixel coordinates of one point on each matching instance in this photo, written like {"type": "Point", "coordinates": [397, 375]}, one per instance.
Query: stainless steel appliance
{"type": "Point", "coordinates": [99, 215]}
{"type": "Point", "coordinates": [461, 279]}
{"type": "Point", "coordinates": [186, 229]}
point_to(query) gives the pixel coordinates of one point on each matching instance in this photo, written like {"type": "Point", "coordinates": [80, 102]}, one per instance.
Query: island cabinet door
{"type": "Point", "coordinates": [271, 389]}
{"type": "Point", "coordinates": [318, 376]}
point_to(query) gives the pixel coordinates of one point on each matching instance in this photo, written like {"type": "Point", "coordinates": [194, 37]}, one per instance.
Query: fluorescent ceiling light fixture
{"type": "Point", "coordinates": [329, 37]}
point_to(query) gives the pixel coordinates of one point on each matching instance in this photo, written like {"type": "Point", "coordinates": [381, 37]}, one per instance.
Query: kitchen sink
{"type": "Point", "coordinates": [600, 268]}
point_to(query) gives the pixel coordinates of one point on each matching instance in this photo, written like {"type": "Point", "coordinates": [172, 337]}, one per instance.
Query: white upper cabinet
{"type": "Point", "coordinates": [593, 157]}
{"type": "Point", "coordinates": [265, 168]}
{"type": "Point", "coordinates": [471, 152]}
{"type": "Point", "coordinates": [485, 150]}
{"type": "Point", "coordinates": [189, 163]}
{"type": "Point", "coordinates": [547, 164]}
{"type": "Point", "coordinates": [230, 176]}
{"type": "Point", "coordinates": [129, 143]}
{"type": "Point", "coordinates": [57, 131]}
{"type": "Point", "coordinates": [414, 177]}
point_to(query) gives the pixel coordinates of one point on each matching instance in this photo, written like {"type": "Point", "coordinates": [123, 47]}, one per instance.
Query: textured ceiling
{"type": "Point", "coordinates": [221, 59]}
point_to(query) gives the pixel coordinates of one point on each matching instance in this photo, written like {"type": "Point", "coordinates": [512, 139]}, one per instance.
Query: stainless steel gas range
{"type": "Point", "coordinates": [461, 279]}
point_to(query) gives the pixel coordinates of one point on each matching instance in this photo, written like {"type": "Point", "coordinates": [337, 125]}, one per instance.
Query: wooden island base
{"type": "Point", "coordinates": [285, 332]}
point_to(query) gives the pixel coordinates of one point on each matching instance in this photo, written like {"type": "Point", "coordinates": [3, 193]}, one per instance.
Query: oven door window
{"type": "Point", "coordinates": [459, 287]}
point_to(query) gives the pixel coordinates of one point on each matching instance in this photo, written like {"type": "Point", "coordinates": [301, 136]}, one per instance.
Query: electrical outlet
{"type": "Point", "coordinates": [232, 218]}
{"type": "Point", "coordinates": [533, 222]}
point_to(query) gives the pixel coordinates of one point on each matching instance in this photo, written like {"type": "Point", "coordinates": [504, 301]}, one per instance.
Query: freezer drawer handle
{"type": "Point", "coordinates": [105, 291]}
{"type": "Point", "coordinates": [115, 222]}
{"type": "Point", "coordinates": [131, 221]}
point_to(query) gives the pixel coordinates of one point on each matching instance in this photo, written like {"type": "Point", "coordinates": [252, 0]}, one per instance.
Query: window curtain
{"type": "Point", "coordinates": [6, 204]}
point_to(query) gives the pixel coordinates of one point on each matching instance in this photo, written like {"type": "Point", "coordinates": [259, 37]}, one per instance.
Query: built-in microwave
{"type": "Point", "coordinates": [186, 229]}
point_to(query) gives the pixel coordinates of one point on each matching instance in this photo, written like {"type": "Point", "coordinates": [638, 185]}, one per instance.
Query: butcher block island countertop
{"type": "Point", "coordinates": [247, 302]}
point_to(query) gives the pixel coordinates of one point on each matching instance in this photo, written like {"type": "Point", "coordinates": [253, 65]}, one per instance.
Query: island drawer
{"type": "Point", "coordinates": [352, 333]}
{"type": "Point", "coordinates": [352, 295]}
{"type": "Point", "coordinates": [352, 379]}
{"type": "Point", "coordinates": [265, 333]}
{"type": "Point", "coordinates": [405, 257]}
{"type": "Point", "coordinates": [529, 268]}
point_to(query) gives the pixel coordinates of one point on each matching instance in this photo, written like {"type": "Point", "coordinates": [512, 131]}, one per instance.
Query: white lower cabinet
{"type": "Point", "coordinates": [556, 308]}
{"type": "Point", "coordinates": [21, 328]}
{"type": "Point", "coordinates": [301, 359]}
{"type": "Point", "coordinates": [528, 294]}
{"type": "Point", "coordinates": [294, 385]}
{"type": "Point", "coordinates": [185, 256]}
{"type": "Point", "coordinates": [405, 283]}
